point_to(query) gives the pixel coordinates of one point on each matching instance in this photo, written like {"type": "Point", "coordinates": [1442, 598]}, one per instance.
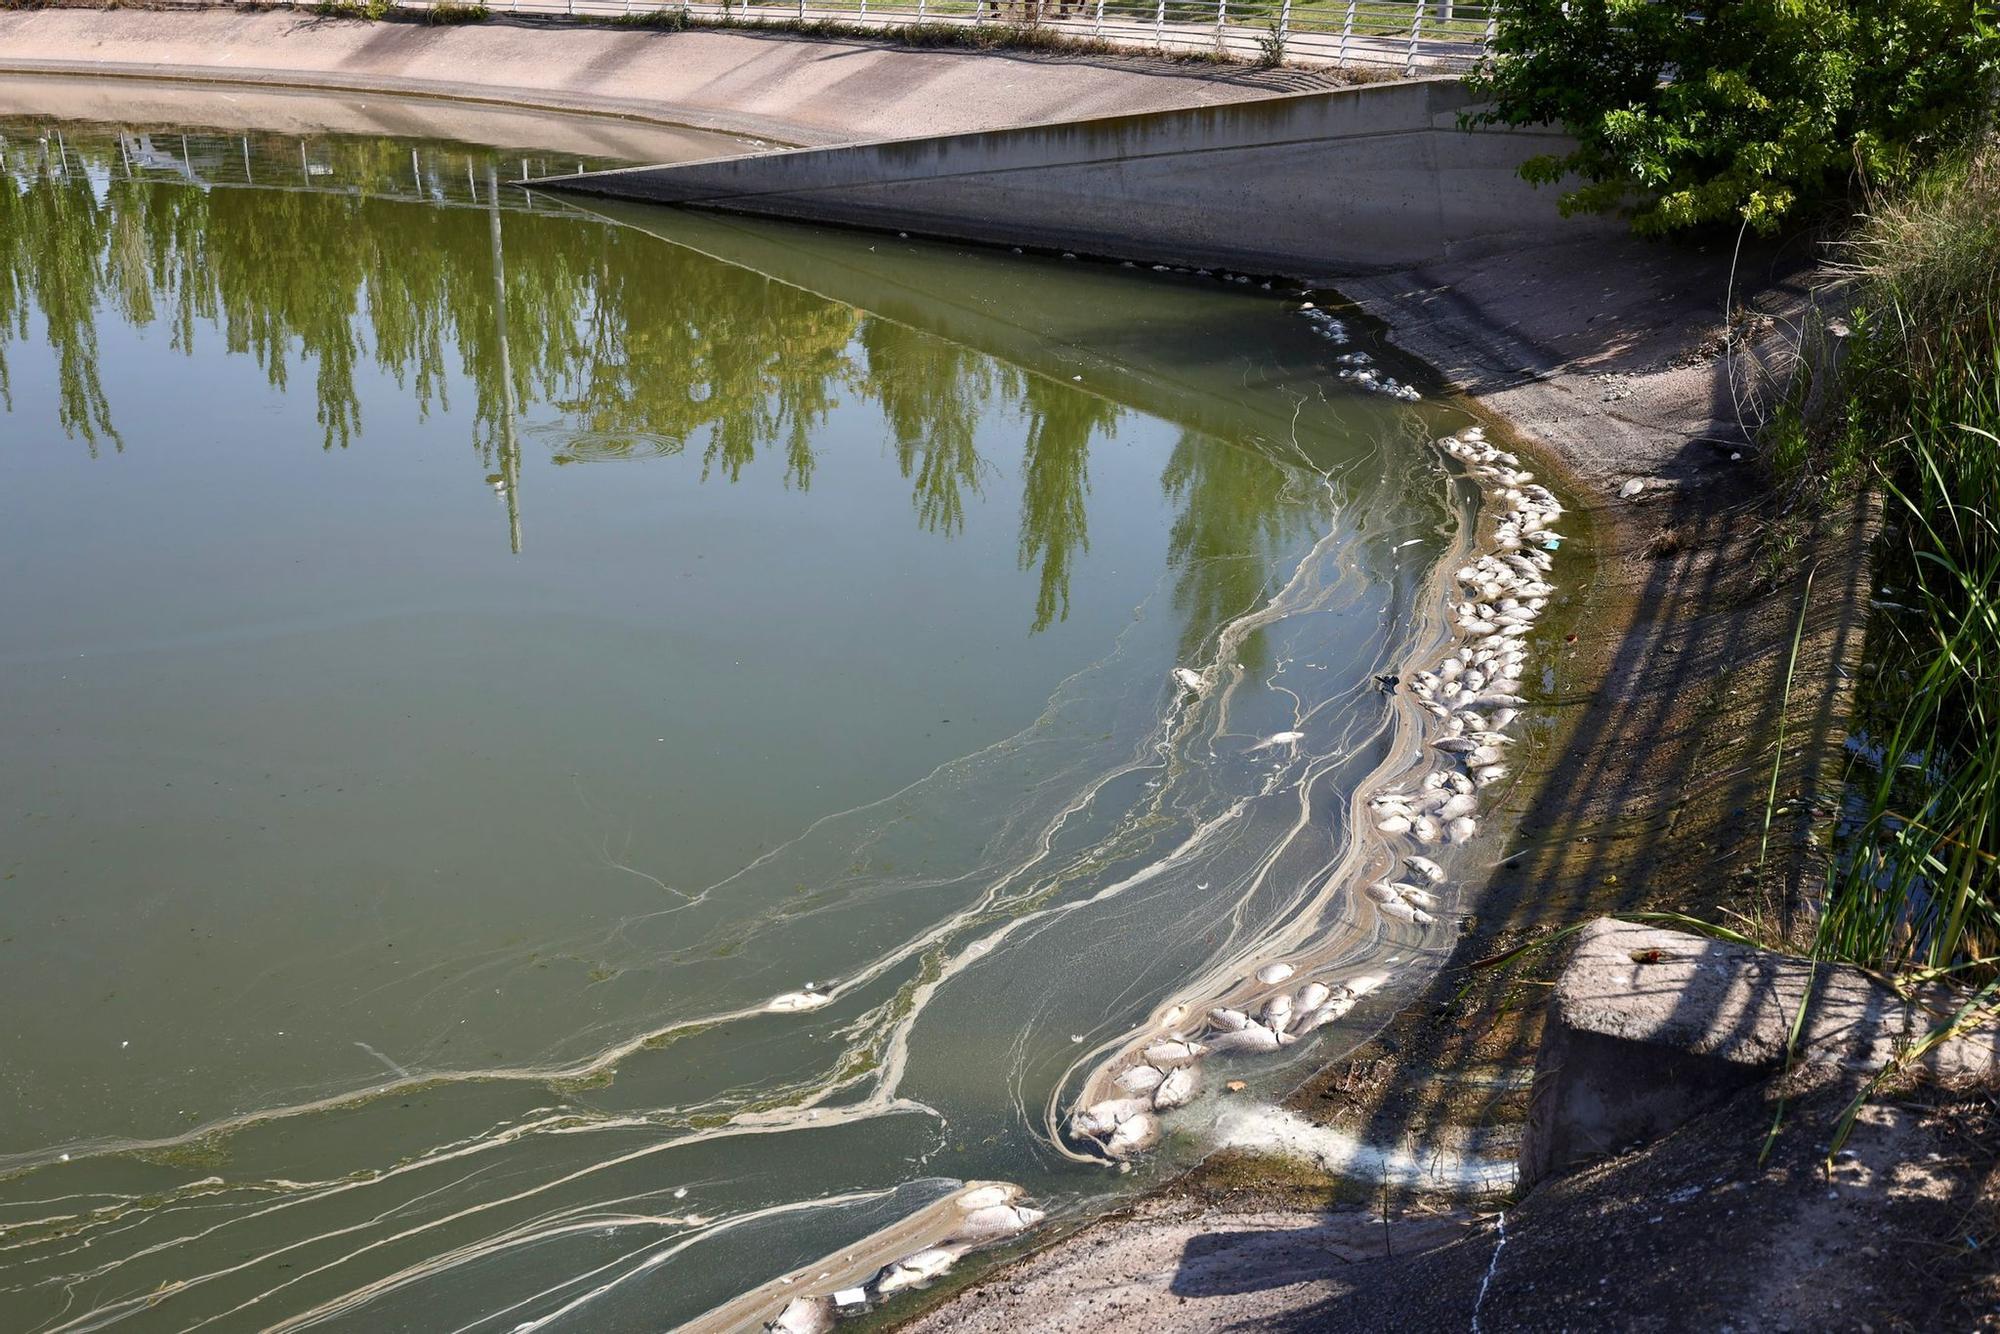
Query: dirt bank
{"type": "Point", "coordinates": [780, 88]}
{"type": "Point", "coordinates": [1614, 363]}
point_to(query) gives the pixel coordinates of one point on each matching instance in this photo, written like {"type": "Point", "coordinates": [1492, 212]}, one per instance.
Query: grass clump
{"type": "Point", "coordinates": [442, 12]}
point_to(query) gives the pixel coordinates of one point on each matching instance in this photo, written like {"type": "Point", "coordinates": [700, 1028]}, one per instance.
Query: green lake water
{"type": "Point", "coordinates": [465, 654]}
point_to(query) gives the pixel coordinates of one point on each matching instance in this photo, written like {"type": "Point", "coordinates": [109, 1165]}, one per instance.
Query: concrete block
{"type": "Point", "coordinates": [1647, 1027]}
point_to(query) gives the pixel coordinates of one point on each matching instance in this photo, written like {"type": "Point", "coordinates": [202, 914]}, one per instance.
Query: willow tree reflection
{"type": "Point", "coordinates": [1237, 506]}
{"type": "Point", "coordinates": [596, 341]}
{"type": "Point", "coordinates": [52, 230]}
{"type": "Point", "coordinates": [1055, 477]}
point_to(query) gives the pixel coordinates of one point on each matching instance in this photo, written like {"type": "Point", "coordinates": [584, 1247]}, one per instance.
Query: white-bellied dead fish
{"type": "Point", "coordinates": [913, 1270]}
{"type": "Point", "coordinates": [1168, 1054]}
{"type": "Point", "coordinates": [1177, 1088]}
{"type": "Point", "coordinates": [1134, 1135]}
{"type": "Point", "coordinates": [1139, 1079]}
{"type": "Point", "coordinates": [805, 1315]}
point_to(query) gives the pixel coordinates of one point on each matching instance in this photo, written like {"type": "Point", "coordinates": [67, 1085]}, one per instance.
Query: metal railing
{"type": "Point", "coordinates": [1406, 36]}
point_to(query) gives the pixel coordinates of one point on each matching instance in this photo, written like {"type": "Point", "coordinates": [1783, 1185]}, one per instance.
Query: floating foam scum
{"type": "Point", "coordinates": [1061, 853]}
{"type": "Point", "coordinates": [1266, 1129]}
{"type": "Point", "coordinates": [1070, 838]}
{"type": "Point", "coordinates": [1462, 708]}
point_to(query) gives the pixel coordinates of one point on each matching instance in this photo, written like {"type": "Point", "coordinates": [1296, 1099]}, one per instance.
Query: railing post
{"type": "Point", "coordinates": [1416, 35]}
{"type": "Point", "coordinates": [1160, 26]}
{"type": "Point", "coordinates": [1346, 34]}
{"type": "Point", "coordinates": [1492, 23]}
{"type": "Point", "coordinates": [920, 11]}
{"type": "Point", "coordinates": [802, 11]}
{"type": "Point", "coordinates": [1284, 24]}
{"type": "Point", "coordinates": [1221, 18]}
{"type": "Point", "coordinates": [1097, 28]}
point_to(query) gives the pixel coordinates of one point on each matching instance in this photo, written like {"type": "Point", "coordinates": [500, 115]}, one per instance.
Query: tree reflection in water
{"type": "Point", "coordinates": [351, 251]}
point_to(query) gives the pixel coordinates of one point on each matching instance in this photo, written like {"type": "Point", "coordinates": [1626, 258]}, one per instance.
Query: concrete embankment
{"type": "Point", "coordinates": [1327, 182]}
{"type": "Point", "coordinates": [784, 89]}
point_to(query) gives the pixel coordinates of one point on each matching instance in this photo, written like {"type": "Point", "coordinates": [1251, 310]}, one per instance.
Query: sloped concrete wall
{"type": "Point", "coordinates": [778, 87]}
{"type": "Point", "coordinates": [1351, 180]}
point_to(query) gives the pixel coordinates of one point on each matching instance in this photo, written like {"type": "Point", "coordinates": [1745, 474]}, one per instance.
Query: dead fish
{"type": "Point", "coordinates": [1426, 868]}
{"type": "Point", "coordinates": [1277, 1012]}
{"type": "Point", "coordinates": [1101, 1118]}
{"type": "Point", "coordinates": [793, 1001]}
{"type": "Point", "coordinates": [1311, 996]}
{"type": "Point", "coordinates": [1004, 1220]}
{"type": "Point", "coordinates": [1279, 739]}
{"type": "Point", "coordinates": [1166, 1055]}
{"type": "Point", "coordinates": [1273, 973]}
{"type": "Point", "coordinates": [913, 1270]}
{"type": "Point", "coordinates": [1394, 824]}
{"type": "Point", "coordinates": [1461, 804]}
{"type": "Point", "coordinates": [1178, 1089]}
{"type": "Point", "coordinates": [1189, 680]}
{"type": "Point", "coordinates": [1319, 1016]}
{"type": "Point", "coordinates": [1249, 1038]}
{"type": "Point", "coordinates": [1463, 828]}
{"type": "Point", "coordinates": [1136, 1135]}
{"type": "Point", "coordinates": [804, 1315]}
{"type": "Point", "coordinates": [984, 1197]}
{"type": "Point", "coordinates": [1227, 1019]}
{"type": "Point", "coordinates": [1404, 912]}
{"type": "Point", "coordinates": [1139, 1079]}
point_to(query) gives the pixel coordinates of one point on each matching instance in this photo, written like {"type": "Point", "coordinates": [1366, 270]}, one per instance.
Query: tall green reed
{"type": "Point", "coordinates": [1916, 887]}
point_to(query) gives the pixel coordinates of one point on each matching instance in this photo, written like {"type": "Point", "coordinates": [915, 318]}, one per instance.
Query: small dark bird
{"type": "Point", "coordinates": [1387, 683]}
